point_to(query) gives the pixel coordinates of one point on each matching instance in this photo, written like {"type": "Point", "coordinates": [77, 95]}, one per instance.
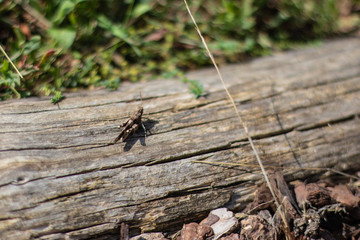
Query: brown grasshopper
{"type": "Point", "coordinates": [131, 125]}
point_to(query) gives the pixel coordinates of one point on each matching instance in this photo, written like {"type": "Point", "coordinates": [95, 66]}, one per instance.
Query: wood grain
{"type": "Point", "coordinates": [61, 179]}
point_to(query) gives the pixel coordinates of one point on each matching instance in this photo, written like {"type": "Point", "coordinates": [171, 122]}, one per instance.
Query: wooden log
{"type": "Point", "coordinates": [61, 179]}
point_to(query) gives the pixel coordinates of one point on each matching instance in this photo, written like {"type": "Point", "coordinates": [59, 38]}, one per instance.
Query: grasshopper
{"type": "Point", "coordinates": [131, 125]}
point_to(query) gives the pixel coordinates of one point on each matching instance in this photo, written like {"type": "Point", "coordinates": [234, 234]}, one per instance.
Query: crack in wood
{"type": "Point", "coordinates": [183, 156]}
{"type": "Point", "coordinates": [69, 231]}
{"type": "Point", "coordinates": [326, 124]}
{"type": "Point", "coordinates": [50, 148]}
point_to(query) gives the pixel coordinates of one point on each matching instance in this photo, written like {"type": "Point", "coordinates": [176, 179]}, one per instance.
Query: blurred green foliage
{"type": "Point", "coordinates": [58, 97]}
{"type": "Point", "coordinates": [71, 44]}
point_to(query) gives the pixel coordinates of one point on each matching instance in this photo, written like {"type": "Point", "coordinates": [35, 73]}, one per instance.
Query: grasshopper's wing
{"type": "Point", "coordinates": [124, 126]}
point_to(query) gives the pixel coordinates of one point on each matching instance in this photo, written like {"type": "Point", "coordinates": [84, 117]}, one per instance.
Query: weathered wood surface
{"type": "Point", "coordinates": [60, 178]}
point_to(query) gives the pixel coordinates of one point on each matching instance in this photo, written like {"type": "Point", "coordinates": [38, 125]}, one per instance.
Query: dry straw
{"type": "Point", "coordinates": [12, 64]}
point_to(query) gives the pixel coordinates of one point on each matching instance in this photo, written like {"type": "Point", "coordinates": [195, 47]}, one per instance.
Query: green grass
{"type": "Point", "coordinates": [71, 44]}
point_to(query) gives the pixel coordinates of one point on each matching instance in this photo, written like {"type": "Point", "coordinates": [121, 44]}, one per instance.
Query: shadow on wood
{"type": "Point", "coordinates": [141, 135]}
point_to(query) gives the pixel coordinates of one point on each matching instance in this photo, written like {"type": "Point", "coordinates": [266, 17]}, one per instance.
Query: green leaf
{"type": "Point", "coordinates": [249, 44]}
{"type": "Point", "coordinates": [196, 88]}
{"type": "Point", "coordinates": [112, 84]}
{"type": "Point", "coordinates": [140, 9]}
{"type": "Point", "coordinates": [65, 8]}
{"type": "Point", "coordinates": [115, 29]}
{"type": "Point", "coordinates": [119, 31]}
{"type": "Point", "coordinates": [229, 46]}
{"type": "Point", "coordinates": [5, 67]}
{"type": "Point", "coordinates": [104, 22]}
{"type": "Point", "coordinates": [264, 40]}
{"type": "Point", "coordinates": [58, 97]}
{"type": "Point", "coordinates": [46, 56]}
{"type": "Point", "coordinates": [64, 37]}
{"type": "Point", "coordinates": [32, 45]}
{"type": "Point", "coordinates": [10, 80]}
